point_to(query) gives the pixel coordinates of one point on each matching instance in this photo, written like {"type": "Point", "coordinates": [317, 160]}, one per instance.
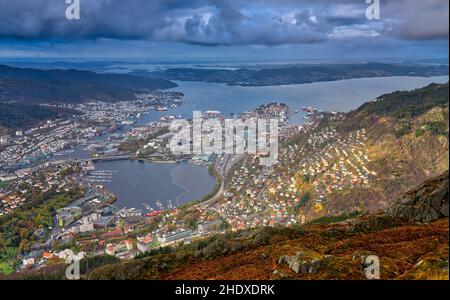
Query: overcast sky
{"type": "Point", "coordinates": [224, 29]}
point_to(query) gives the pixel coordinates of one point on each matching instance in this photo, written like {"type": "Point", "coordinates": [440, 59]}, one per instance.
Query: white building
{"type": "Point", "coordinates": [69, 256]}
{"type": "Point", "coordinates": [27, 262]}
{"type": "Point", "coordinates": [3, 140]}
{"type": "Point", "coordinates": [86, 227]}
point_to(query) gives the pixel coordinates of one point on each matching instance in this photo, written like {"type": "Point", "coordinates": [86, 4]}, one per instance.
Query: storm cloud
{"type": "Point", "coordinates": [224, 22]}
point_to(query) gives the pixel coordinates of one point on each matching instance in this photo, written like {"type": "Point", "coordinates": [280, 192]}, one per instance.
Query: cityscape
{"type": "Point", "coordinates": [224, 140]}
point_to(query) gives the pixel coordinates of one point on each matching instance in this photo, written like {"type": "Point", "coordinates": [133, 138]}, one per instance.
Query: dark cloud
{"type": "Point", "coordinates": [418, 20]}
{"type": "Point", "coordinates": [223, 22]}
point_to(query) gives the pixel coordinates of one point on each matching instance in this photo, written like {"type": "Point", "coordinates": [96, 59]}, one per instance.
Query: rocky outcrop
{"type": "Point", "coordinates": [299, 265]}
{"type": "Point", "coordinates": [426, 203]}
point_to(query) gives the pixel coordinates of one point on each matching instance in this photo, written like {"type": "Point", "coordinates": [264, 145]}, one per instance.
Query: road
{"type": "Point", "coordinates": [223, 167]}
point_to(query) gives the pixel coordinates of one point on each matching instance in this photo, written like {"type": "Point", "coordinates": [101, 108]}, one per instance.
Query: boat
{"type": "Point", "coordinates": [154, 213]}
{"type": "Point", "coordinates": [169, 204]}
{"type": "Point", "coordinates": [159, 204]}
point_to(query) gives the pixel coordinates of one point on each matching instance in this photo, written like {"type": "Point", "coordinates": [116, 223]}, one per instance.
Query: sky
{"type": "Point", "coordinates": [223, 30]}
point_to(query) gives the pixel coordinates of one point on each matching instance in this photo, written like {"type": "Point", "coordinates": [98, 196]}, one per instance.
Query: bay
{"type": "Point", "coordinates": [342, 95]}
{"type": "Point", "coordinates": [138, 184]}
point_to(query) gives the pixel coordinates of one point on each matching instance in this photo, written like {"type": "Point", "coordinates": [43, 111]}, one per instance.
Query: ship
{"type": "Point", "coordinates": [153, 214]}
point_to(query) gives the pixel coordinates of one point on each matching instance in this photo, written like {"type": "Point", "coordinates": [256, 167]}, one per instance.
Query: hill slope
{"type": "Point", "coordinates": [329, 249]}
{"type": "Point", "coordinates": [20, 115]}
{"type": "Point", "coordinates": [407, 144]}
{"type": "Point", "coordinates": [296, 74]}
{"type": "Point", "coordinates": [49, 86]}
{"type": "Point", "coordinates": [405, 141]}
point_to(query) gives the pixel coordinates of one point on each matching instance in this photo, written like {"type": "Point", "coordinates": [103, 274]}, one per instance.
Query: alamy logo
{"type": "Point", "coordinates": [371, 266]}
{"type": "Point", "coordinates": [73, 270]}
{"type": "Point", "coordinates": [230, 136]}
{"type": "Point", "coordinates": [73, 10]}
{"type": "Point", "coordinates": [373, 10]}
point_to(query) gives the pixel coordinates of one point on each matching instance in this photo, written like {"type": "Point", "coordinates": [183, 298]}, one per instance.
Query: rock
{"type": "Point", "coordinates": [418, 263]}
{"type": "Point", "coordinates": [426, 203]}
{"type": "Point", "coordinates": [279, 274]}
{"type": "Point", "coordinates": [437, 197]}
{"type": "Point", "coordinates": [282, 259]}
{"type": "Point", "coordinates": [312, 270]}
{"type": "Point", "coordinates": [304, 267]}
{"type": "Point", "coordinates": [444, 209]}
{"type": "Point", "coordinates": [328, 256]}
{"type": "Point", "coordinates": [295, 267]}
{"type": "Point", "coordinates": [316, 263]}
{"type": "Point", "coordinates": [262, 256]}
{"type": "Point", "coordinates": [364, 264]}
{"type": "Point", "coordinates": [290, 260]}
{"type": "Point", "coordinates": [408, 200]}
{"type": "Point", "coordinates": [434, 214]}
{"type": "Point", "coordinates": [418, 217]}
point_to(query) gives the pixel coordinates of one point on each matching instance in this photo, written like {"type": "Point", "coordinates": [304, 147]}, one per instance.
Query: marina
{"type": "Point", "coordinates": [152, 186]}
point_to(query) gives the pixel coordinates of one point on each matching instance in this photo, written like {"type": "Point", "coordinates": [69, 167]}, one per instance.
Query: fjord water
{"type": "Point", "coordinates": [136, 183]}
{"type": "Point", "coordinates": [343, 95]}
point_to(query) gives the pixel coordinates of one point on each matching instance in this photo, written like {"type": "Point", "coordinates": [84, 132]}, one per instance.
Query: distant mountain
{"type": "Point", "coordinates": [296, 74]}
{"type": "Point", "coordinates": [13, 115]}
{"type": "Point", "coordinates": [71, 86]}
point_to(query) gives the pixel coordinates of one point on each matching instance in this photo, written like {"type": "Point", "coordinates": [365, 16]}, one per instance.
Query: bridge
{"type": "Point", "coordinates": [113, 158]}
{"type": "Point", "coordinates": [104, 158]}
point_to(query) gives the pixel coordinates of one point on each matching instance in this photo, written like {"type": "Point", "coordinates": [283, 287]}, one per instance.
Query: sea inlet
{"type": "Point", "coordinates": [157, 186]}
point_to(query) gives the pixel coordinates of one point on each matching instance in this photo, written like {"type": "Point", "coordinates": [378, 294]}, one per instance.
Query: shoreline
{"type": "Point", "coordinates": [304, 83]}
{"type": "Point", "coordinates": [211, 194]}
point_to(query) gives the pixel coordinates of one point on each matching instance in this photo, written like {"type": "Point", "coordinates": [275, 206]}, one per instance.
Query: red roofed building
{"type": "Point", "coordinates": [144, 242]}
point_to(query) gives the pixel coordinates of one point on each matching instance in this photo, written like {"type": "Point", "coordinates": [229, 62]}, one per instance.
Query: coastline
{"type": "Point", "coordinates": [207, 196]}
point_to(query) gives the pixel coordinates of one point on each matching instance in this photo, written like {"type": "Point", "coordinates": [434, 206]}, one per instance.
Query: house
{"type": "Point", "coordinates": [117, 249]}
{"type": "Point", "coordinates": [67, 215]}
{"type": "Point", "coordinates": [69, 256]}
{"type": "Point", "coordinates": [92, 217]}
{"type": "Point", "coordinates": [116, 232]}
{"type": "Point", "coordinates": [110, 249]}
{"type": "Point", "coordinates": [128, 244]}
{"type": "Point", "coordinates": [175, 236]}
{"type": "Point", "coordinates": [144, 243]}
{"type": "Point", "coordinates": [209, 225]}
{"type": "Point", "coordinates": [128, 228]}
{"type": "Point", "coordinates": [28, 262]}
{"type": "Point", "coordinates": [86, 227]}
{"type": "Point", "coordinates": [103, 222]}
